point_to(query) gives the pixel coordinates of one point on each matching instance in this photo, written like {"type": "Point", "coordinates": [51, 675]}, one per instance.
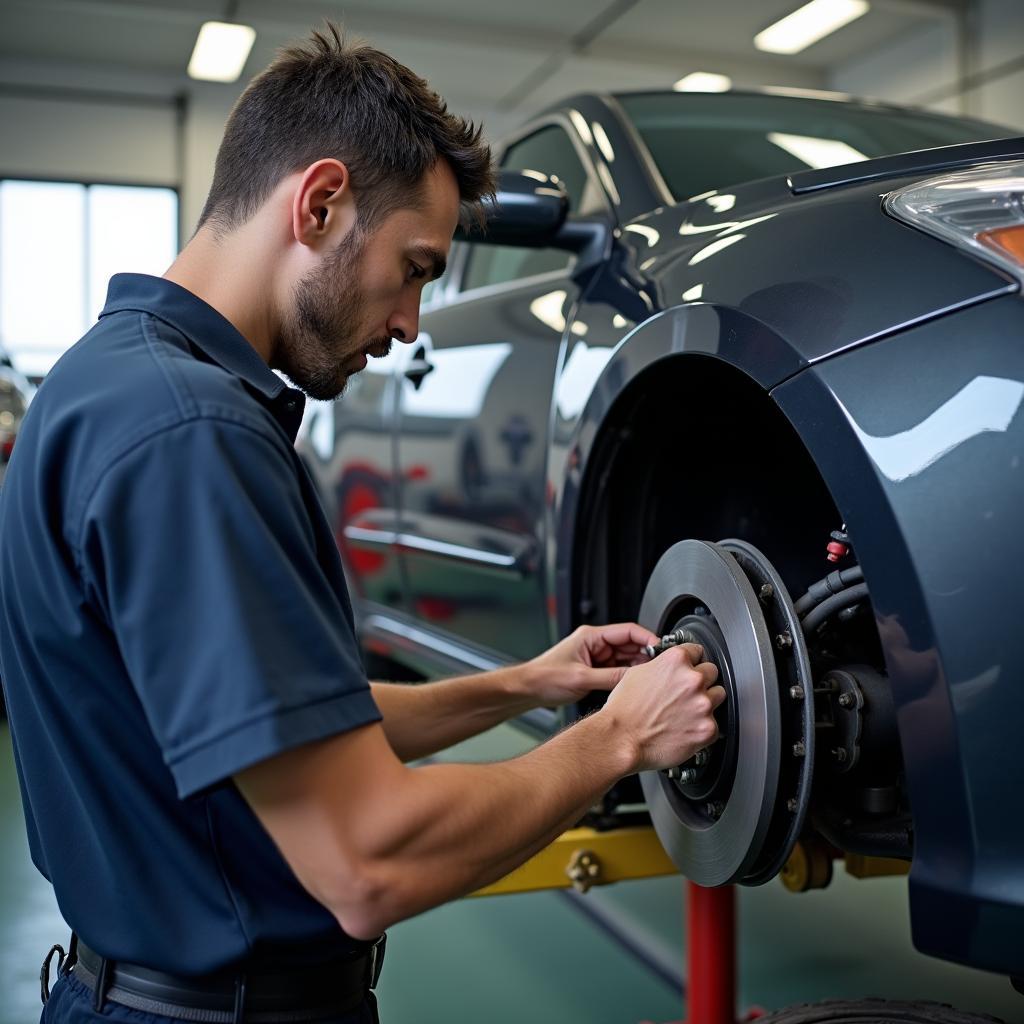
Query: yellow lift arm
{"type": "Point", "coordinates": [584, 857]}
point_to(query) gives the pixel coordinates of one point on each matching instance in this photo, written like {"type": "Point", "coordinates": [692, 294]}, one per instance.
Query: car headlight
{"type": "Point", "coordinates": [981, 209]}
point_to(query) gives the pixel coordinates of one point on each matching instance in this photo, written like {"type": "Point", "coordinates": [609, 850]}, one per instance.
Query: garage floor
{"type": "Point", "coordinates": [542, 958]}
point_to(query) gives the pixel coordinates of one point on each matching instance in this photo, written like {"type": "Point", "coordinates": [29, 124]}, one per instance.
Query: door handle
{"type": "Point", "coordinates": [419, 366]}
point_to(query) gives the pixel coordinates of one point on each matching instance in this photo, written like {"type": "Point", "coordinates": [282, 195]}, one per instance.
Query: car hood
{"type": "Point", "coordinates": [824, 267]}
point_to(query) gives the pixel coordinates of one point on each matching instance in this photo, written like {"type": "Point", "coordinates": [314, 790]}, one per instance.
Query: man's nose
{"type": "Point", "coordinates": [404, 324]}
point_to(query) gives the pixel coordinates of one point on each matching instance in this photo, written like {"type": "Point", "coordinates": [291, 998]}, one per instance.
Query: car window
{"type": "Point", "coordinates": [549, 151]}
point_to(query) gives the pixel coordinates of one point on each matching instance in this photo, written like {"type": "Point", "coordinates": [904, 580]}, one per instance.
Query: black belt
{"type": "Point", "coordinates": [230, 997]}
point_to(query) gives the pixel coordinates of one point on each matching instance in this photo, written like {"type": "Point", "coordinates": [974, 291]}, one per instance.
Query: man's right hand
{"type": "Point", "coordinates": [667, 706]}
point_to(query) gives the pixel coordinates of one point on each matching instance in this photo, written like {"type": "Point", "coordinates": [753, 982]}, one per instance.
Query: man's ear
{"type": "Point", "coordinates": [323, 206]}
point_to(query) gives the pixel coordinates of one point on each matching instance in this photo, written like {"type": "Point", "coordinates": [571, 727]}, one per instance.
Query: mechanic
{"type": "Point", "coordinates": [217, 794]}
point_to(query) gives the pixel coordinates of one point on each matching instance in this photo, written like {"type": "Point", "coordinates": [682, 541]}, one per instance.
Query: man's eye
{"type": "Point", "coordinates": [416, 272]}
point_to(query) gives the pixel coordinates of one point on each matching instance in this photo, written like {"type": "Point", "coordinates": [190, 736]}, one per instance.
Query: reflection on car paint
{"type": "Point", "coordinates": [460, 381]}
{"type": "Point", "coordinates": [985, 405]}
{"type": "Point", "coordinates": [578, 377]}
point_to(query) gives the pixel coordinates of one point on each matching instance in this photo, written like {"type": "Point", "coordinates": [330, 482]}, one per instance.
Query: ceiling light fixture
{"type": "Point", "coordinates": [221, 51]}
{"type": "Point", "coordinates": [703, 81]}
{"type": "Point", "coordinates": [810, 23]}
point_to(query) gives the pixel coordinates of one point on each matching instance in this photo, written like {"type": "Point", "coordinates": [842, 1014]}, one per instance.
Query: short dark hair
{"type": "Point", "coordinates": [327, 97]}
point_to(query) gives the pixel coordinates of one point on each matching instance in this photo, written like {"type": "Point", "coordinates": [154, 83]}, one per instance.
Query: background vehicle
{"type": "Point", "coordinates": [671, 404]}
{"type": "Point", "coordinates": [15, 394]}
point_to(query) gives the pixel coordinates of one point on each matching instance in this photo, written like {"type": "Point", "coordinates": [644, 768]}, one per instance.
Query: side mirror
{"type": "Point", "coordinates": [528, 210]}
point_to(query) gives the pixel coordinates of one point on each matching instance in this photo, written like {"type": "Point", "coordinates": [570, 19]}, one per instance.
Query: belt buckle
{"type": "Point", "coordinates": [377, 959]}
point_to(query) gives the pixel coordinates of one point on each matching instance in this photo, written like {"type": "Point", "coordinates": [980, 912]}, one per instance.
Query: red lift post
{"type": "Point", "coordinates": [710, 954]}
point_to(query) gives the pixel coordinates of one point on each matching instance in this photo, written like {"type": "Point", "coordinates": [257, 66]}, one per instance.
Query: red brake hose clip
{"type": "Point", "coordinates": [839, 545]}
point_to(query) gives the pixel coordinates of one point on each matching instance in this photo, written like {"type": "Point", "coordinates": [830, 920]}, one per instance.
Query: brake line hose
{"type": "Point", "coordinates": [820, 612]}
{"type": "Point", "coordinates": [833, 583]}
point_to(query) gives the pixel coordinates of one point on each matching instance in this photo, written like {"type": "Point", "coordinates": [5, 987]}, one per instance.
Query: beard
{"type": "Point", "coordinates": [324, 331]}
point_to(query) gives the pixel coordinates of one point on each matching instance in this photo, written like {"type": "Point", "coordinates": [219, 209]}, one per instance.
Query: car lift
{"type": "Point", "coordinates": [585, 857]}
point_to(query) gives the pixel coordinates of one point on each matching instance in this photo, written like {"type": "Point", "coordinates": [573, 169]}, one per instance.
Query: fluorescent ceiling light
{"type": "Point", "coordinates": [816, 152]}
{"type": "Point", "coordinates": [221, 51]}
{"type": "Point", "coordinates": [810, 23]}
{"type": "Point", "coordinates": [703, 81]}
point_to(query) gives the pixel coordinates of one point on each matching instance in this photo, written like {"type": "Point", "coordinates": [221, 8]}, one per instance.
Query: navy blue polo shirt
{"type": "Point", "coordinates": [173, 610]}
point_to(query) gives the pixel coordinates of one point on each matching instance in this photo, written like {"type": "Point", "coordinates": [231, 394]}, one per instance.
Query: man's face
{"type": "Point", "coordinates": [367, 291]}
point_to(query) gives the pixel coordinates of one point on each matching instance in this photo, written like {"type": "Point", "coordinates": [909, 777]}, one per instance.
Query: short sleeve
{"type": "Point", "coordinates": [198, 549]}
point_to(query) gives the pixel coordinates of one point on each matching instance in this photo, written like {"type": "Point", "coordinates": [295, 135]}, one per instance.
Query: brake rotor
{"type": "Point", "coordinates": [733, 812]}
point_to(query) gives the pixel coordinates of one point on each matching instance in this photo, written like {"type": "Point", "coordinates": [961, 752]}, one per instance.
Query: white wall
{"type": "Point", "coordinates": [81, 123]}
{"type": "Point", "coordinates": [924, 67]}
{"type": "Point", "coordinates": [90, 140]}
{"type": "Point", "coordinates": [207, 112]}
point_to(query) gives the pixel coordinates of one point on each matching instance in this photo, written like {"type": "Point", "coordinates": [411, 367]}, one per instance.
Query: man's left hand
{"type": "Point", "coordinates": [590, 658]}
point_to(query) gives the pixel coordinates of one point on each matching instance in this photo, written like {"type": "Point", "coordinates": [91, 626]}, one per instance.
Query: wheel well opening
{"type": "Point", "coordinates": [694, 449]}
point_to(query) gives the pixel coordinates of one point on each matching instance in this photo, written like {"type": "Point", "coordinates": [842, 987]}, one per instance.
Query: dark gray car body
{"type": "Point", "coordinates": [832, 358]}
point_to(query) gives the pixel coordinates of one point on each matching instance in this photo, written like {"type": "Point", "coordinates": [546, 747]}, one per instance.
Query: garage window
{"type": "Point", "coordinates": [60, 242]}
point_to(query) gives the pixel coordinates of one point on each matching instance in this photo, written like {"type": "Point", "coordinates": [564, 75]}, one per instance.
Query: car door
{"type": "Point", "coordinates": [474, 410]}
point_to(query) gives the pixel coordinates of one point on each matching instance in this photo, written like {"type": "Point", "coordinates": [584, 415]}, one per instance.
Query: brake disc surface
{"type": "Point", "coordinates": [719, 841]}
{"type": "Point", "coordinates": [796, 699]}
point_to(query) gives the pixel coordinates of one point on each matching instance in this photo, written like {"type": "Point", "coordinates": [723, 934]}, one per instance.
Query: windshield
{"type": "Point", "coordinates": [706, 141]}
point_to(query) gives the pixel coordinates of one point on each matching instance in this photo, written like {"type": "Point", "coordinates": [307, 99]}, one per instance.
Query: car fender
{"type": "Point", "coordinates": [920, 439]}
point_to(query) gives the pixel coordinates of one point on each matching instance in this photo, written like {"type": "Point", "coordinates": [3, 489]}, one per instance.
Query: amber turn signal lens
{"type": "Point", "coordinates": [1008, 241]}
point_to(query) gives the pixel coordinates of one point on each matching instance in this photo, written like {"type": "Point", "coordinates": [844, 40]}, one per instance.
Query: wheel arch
{"type": "Point", "coordinates": [682, 408]}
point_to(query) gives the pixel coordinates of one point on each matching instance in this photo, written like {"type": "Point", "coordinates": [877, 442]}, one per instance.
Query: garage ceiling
{"type": "Point", "coordinates": [495, 61]}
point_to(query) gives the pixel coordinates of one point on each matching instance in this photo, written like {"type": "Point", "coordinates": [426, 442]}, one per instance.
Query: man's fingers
{"type": "Point", "coordinates": [694, 653]}
{"type": "Point", "coordinates": [708, 672]}
{"type": "Point", "coordinates": [620, 634]}
{"type": "Point", "coordinates": [605, 678]}
{"type": "Point", "coordinates": [717, 695]}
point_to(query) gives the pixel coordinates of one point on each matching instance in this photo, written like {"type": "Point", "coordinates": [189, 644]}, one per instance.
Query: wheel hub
{"type": "Point", "coordinates": [733, 812]}
{"type": "Point", "coordinates": [708, 777]}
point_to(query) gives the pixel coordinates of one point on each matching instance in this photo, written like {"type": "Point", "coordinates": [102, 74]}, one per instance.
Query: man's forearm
{"type": "Point", "coordinates": [376, 841]}
{"type": "Point", "coordinates": [453, 828]}
{"type": "Point", "coordinates": [421, 719]}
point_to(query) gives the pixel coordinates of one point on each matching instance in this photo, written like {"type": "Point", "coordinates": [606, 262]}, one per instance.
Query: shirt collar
{"type": "Point", "coordinates": [209, 331]}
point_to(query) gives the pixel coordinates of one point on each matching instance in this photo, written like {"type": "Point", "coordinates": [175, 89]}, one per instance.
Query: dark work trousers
{"type": "Point", "coordinates": [71, 1003]}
